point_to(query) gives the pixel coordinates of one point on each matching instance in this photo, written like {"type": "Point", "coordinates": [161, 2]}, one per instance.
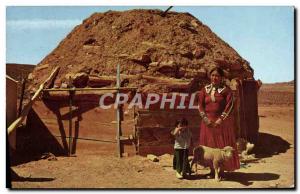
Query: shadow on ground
{"type": "Point", "coordinates": [248, 178]}
{"type": "Point", "coordinates": [15, 177]}
{"type": "Point", "coordinates": [269, 145]}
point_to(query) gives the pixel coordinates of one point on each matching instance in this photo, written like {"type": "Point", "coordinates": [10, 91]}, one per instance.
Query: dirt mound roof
{"type": "Point", "coordinates": [177, 48]}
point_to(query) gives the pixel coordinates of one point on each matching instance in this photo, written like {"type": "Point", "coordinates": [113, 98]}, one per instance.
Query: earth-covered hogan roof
{"type": "Point", "coordinates": [155, 53]}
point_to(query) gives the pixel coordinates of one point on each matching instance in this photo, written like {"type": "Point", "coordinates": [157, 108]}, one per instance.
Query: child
{"type": "Point", "coordinates": [183, 138]}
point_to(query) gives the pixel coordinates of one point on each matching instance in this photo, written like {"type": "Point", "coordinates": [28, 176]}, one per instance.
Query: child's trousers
{"type": "Point", "coordinates": [181, 162]}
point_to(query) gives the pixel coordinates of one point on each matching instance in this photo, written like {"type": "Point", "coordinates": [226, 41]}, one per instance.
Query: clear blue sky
{"type": "Point", "coordinates": [264, 36]}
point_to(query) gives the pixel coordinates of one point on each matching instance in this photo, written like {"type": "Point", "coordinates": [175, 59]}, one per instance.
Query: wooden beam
{"type": "Point", "coordinates": [71, 94]}
{"type": "Point", "coordinates": [89, 89]}
{"type": "Point", "coordinates": [118, 116]}
{"type": "Point", "coordinates": [22, 96]}
{"type": "Point", "coordinates": [165, 12]}
{"type": "Point", "coordinates": [28, 106]}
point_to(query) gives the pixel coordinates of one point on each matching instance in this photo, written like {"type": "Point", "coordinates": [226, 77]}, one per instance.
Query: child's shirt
{"type": "Point", "coordinates": [183, 139]}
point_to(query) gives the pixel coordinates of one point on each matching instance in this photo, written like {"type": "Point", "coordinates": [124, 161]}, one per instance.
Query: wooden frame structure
{"type": "Point", "coordinates": [151, 127]}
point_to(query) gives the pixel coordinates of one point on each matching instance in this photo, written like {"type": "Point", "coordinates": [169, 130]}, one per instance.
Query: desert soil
{"type": "Point", "coordinates": [275, 167]}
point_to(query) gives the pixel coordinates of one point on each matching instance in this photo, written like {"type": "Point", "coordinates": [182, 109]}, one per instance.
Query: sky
{"type": "Point", "coordinates": [264, 35]}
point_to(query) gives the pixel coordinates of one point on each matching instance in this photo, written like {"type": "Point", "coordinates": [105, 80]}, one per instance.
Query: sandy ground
{"type": "Point", "coordinates": [275, 167]}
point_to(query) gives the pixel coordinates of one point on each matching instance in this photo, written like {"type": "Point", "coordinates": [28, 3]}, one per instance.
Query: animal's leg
{"type": "Point", "coordinates": [192, 164]}
{"type": "Point", "coordinates": [211, 173]}
{"type": "Point", "coordinates": [217, 178]}
{"type": "Point", "coordinates": [221, 173]}
{"type": "Point", "coordinates": [217, 171]}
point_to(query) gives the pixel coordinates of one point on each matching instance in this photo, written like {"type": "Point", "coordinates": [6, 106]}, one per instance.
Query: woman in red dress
{"type": "Point", "coordinates": [216, 129]}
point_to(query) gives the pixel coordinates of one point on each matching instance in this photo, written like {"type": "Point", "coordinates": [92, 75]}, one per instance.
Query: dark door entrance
{"type": "Point", "coordinates": [249, 121]}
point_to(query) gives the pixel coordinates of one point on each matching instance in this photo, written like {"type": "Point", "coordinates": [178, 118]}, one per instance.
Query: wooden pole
{"type": "Point", "coordinates": [22, 96]}
{"type": "Point", "coordinates": [118, 115]}
{"type": "Point", "coordinates": [89, 89]}
{"type": "Point", "coordinates": [165, 12]}
{"type": "Point", "coordinates": [134, 130]}
{"type": "Point", "coordinates": [28, 106]}
{"type": "Point", "coordinates": [70, 116]}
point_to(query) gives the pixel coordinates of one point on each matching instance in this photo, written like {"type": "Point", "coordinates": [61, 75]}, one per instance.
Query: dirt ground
{"type": "Point", "coordinates": [274, 167]}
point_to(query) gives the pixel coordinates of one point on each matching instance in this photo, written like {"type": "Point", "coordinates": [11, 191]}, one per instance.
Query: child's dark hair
{"type": "Point", "coordinates": [182, 121]}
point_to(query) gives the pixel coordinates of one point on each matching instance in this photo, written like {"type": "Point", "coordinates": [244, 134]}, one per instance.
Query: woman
{"type": "Point", "coordinates": [215, 106]}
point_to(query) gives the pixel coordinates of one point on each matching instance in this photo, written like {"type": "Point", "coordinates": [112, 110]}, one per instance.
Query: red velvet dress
{"type": "Point", "coordinates": [218, 105]}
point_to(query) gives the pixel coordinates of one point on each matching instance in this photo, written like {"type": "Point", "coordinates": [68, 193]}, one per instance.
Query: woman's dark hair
{"type": "Point", "coordinates": [219, 70]}
{"type": "Point", "coordinates": [182, 121]}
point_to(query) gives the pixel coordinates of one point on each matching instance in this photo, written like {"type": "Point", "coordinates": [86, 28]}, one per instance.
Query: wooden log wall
{"type": "Point", "coordinates": [93, 128]}
{"type": "Point", "coordinates": [154, 127]}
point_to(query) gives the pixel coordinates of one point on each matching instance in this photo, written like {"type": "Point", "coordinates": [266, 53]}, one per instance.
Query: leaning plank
{"type": "Point", "coordinates": [28, 106]}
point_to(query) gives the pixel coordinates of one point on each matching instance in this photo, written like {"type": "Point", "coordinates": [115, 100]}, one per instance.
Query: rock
{"type": "Point", "coordinates": [187, 26]}
{"type": "Point", "coordinates": [144, 58]}
{"type": "Point", "coordinates": [167, 68]}
{"type": "Point", "coordinates": [199, 53]}
{"type": "Point", "coordinates": [79, 80]}
{"type": "Point", "coordinates": [40, 67]}
{"type": "Point", "coordinates": [222, 63]}
{"type": "Point", "coordinates": [201, 73]}
{"type": "Point", "coordinates": [195, 23]}
{"type": "Point", "coordinates": [152, 157]}
{"type": "Point", "coordinates": [98, 82]}
{"type": "Point", "coordinates": [187, 54]}
{"type": "Point", "coordinates": [57, 83]}
{"type": "Point", "coordinates": [273, 185]}
{"type": "Point", "coordinates": [235, 66]}
{"type": "Point", "coordinates": [154, 45]}
{"type": "Point", "coordinates": [125, 154]}
{"type": "Point", "coordinates": [153, 64]}
{"type": "Point", "coordinates": [64, 85]}
{"type": "Point", "coordinates": [90, 41]}
{"type": "Point", "coordinates": [68, 76]}
{"type": "Point", "coordinates": [86, 70]}
{"type": "Point", "coordinates": [191, 73]}
{"type": "Point", "coordinates": [30, 76]}
{"type": "Point", "coordinates": [95, 72]}
{"type": "Point", "coordinates": [49, 156]}
{"type": "Point", "coordinates": [165, 159]}
{"type": "Point", "coordinates": [180, 73]}
{"type": "Point", "coordinates": [206, 45]}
